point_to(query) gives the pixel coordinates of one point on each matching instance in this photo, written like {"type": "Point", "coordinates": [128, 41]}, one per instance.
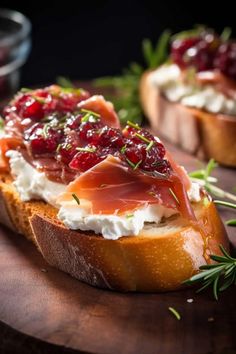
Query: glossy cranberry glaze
{"type": "Point", "coordinates": [205, 51]}
{"type": "Point", "coordinates": [53, 127]}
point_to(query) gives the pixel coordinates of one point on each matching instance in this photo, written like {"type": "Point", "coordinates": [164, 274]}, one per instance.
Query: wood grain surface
{"type": "Point", "coordinates": [45, 308]}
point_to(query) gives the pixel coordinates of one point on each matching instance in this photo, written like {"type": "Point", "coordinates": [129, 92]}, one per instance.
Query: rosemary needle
{"type": "Point", "coordinates": [174, 312]}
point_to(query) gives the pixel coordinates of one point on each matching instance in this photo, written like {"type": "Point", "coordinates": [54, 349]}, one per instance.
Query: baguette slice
{"type": "Point", "coordinates": [159, 259]}
{"type": "Point", "coordinates": [203, 134]}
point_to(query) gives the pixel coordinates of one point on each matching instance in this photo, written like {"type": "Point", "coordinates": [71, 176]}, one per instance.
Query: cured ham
{"type": "Point", "coordinates": [105, 109]}
{"type": "Point", "coordinates": [112, 187]}
{"type": "Point", "coordinates": [7, 143]}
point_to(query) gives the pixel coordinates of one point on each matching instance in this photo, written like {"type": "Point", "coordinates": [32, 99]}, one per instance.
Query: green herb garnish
{"type": "Point", "coordinates": [90, 112]}
{"type": "Point", "coordinates": [123, 149]}
{"type": "Point", "coordinates": [65, 82]}
{"type": "Point", "coordinates": [226, 34]}
{"type": "Point", "coordinates": [133, 165]}
{"type": "Point", "coordinates": [45, 130]}
{"type": "Point", "coordinates": [76, 198]}
{"type": "Point", "coordinates": [174, 312]}
{"type": "Point", "coordinates": [142, 138]}
{"type": "Point", "coordinates": [25, 90]}
{"type": "Point", "coordinates": [133, 125]}
{"type": "Point", "coordinates": [86, 149]}
{"type": "Point", "coordinates": [226, 204]}
{"type": "Point", "coordinates": [1, 124]}
{"type": "Point", "coordinates": [150, 145]}
{"type": "Point", "coordinates": [174, 195]}
{"type": "Point", "coordinates": [204, 178]}
{"type": "Point", "coordinates": [231, 222]}
{"type": "Point", "coordinates": [129, 216]}
{"type": "Point", "coordinates": [220, 275]}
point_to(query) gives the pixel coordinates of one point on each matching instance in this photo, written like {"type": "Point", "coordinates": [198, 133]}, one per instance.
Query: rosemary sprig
{"type": "Point", "coordinates": [227, 204]}
{"type": "Point", "coordinates": [204, 178]}
{"type": "Point", "coordinates": [220, 275]}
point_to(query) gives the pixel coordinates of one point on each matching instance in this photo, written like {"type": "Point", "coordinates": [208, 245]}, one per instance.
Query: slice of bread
{"type": "Point", "coordinates": [159, 259]}
{"type": "Point", "coordinates": [203, 134]}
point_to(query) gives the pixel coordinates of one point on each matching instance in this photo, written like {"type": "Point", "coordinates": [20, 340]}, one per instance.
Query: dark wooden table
{"type": "Point", "coordinates": [43, 310]}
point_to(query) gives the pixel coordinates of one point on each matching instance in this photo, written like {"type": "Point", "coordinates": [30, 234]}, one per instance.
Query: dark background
{"type": "Point", "coordinates": [85, 39]}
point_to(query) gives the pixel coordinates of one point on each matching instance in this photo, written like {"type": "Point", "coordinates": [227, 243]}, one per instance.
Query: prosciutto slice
{"type": "Point", "coordinates": [99, 105]}
{"type": "Point", "coordinates": [114, 188]}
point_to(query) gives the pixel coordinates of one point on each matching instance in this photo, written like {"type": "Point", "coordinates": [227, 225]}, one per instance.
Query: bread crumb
{"type": "Point", "coordinates": [44, 270]}
{"type": "Point", "coordinates": [189, 301]}
{"type": "Point", "coordinates": [210, 319]}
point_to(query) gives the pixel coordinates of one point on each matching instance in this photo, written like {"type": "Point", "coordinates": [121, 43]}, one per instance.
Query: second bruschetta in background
{"type": "Point", "coordinates": [191, 99]}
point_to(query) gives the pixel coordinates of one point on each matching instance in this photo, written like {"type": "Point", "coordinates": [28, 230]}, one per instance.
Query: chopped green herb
{"type": "Point", "coordinates": [64, 82]}
{"type": "Point", "coordinates": [59, 146]}
{"type": "Point", "coordinates": [39, 99]}
{"type": "Point", "coordinates": [152, 194]}
{"type": "Point", "coordinates": [174, 312]}
{"type": "Point", "coordinates": [76, 198]}
{"type": "Point", "coordinates": [129, 216]}
{"type": "Point", "coordinates": [86, 149]}
{"type": "Point", "coordinates": [133, 165]}
{"type": "Point", "coordinates": [226, 34]}
{"type": "Point", "coordinates": [150, 145]}
{"type": "Point", "coordinates": [25, 90]}
{"type": "Point", "coordinates": [90, 112]}
{"type": "Point", "coordinates": [123, 149]}
{"type": "Point", "coordinates": [174, 195]}
{"type": "Point", "coordinates": [142, 138]}
{"type": "Point", "coordinates": [133, 125]}
{"type": "Point", "coordinates": [45, 130]}
{"type": "Point", "coordinates": [1, 124]}
{"type": "Point", "coordinates": [231, 222]}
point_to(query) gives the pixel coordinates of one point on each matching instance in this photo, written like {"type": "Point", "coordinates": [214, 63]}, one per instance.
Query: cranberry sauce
{"type": "Point", "coordinates": [205, 51]}
{"type": "Point", "coordinates": [52, 127]}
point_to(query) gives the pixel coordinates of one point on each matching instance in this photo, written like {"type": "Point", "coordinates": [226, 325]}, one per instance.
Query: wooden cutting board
{"type": "Point", "coordinates": [40, 302]}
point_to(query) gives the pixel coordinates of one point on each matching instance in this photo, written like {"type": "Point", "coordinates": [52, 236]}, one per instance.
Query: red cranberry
{"type": "Point", "coordinates": [73, 121]}
{"type": "Point", "coordinates": [135, 153]}
{"type": "Point", "coordinates": [196, 51]}
{"type": "Point", "coordinates": [44, 139]}
{"type": "Point", "coordinates": [110, 137]}
{"type": "Point", "coordinates": [225, 59]}
{"type": "Point", "coordinates": [179, 47]}
{"type": "Point", "coordinates": [88, 131]}
{"type": "Point", "coordinates": [66, 152]}
{"type": "Point", "coordinates": [84, 160]}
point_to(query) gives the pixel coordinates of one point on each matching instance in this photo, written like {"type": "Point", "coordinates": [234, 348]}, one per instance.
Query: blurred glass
{"type": "Point", "coordinates": [15, 46]}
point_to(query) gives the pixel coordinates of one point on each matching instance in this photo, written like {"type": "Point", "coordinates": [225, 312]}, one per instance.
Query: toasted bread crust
{"type": "Point", "coordinates": [200, 133]}
{"type": "Point", "coordinates": [156, 260]}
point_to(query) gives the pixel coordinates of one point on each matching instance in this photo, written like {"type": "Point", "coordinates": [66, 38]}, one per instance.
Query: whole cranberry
{"type": "Point", "coordinates": [44, 139]}
{"type": "Point", "coordinates": [179, 48]}
{"type": "Point", "coordinates": [84, 160]}
{"type": "Point", "coordinates": [225, 59]}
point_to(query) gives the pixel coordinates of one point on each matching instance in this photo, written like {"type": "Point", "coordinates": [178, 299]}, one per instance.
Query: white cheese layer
{"type": "Point", "coordinates": [32, 184]}
{"type": "Point", "coordinates": [168, 79]}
